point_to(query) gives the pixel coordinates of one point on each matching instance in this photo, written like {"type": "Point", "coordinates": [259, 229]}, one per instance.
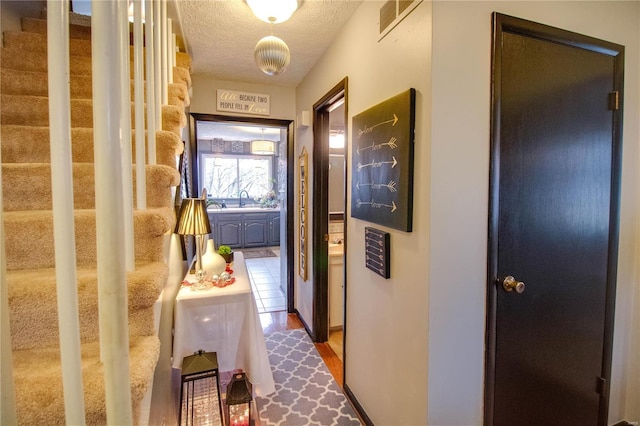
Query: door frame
{"type": "Point", "coordinates": [195, 172]}
{"type": "Point", "coordinates": [320, 229]}
{"type": "Point", "coordinates": [504, 23]}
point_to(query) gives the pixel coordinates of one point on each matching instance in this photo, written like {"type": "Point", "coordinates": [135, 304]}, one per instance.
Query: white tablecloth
{"type": "Point", "coordinates": [225, 321]}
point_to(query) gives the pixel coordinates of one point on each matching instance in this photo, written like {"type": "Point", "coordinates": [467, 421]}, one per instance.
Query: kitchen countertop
{"type": "Point", "coordinates": [336, 249]}
{"type": "Point", "coordinates": [242, 210]}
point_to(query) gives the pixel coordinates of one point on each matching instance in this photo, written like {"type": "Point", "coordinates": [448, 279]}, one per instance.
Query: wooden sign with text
{"type": "Point", "coordinates": [243, 102]}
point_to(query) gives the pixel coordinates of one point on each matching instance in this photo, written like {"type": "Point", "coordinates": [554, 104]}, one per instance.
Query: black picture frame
{"type": "Point", "coordinates": [382, 156]}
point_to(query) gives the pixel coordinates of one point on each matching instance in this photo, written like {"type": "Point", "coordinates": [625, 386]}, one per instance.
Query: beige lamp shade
{"type": "Point", "coordinates": [193, 218]}
{"type": "Point", "coordinates": [263, 147]}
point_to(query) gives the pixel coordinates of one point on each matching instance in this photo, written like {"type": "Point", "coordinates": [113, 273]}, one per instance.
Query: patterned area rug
{"type": "Point", "coordinates": [256, 253]}
{"type": "Point", "coordinates": [306, 393]}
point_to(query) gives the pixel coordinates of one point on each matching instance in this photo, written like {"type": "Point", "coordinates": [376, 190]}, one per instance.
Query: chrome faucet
{"type": "Point", "coordinates": [247, 194]}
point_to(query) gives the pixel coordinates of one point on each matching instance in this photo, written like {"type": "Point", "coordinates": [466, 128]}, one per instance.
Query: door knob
{"type": "Point", "coordinates": [510, 284]}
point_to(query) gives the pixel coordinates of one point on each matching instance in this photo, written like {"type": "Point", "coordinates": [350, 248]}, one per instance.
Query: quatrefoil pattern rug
{"type": "Point", "coordinates": [306, 393]}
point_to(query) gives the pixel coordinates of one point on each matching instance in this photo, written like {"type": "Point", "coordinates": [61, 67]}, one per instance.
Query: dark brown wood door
{"type": "Point", "coordinates": [553, 225]}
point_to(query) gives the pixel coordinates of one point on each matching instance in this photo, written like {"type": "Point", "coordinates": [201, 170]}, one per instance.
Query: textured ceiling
{"type": "Point", "coordinates": [220, 35]}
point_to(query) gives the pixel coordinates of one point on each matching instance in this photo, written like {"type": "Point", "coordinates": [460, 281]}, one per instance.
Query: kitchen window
{"type": "Point", "coordinates": [225, 176]}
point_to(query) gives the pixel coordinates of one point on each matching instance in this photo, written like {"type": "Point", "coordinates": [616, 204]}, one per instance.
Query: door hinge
{"type": "Point", "coordinates": [614, 100]}
{"type": "Point", "coordinates": [601, 386]}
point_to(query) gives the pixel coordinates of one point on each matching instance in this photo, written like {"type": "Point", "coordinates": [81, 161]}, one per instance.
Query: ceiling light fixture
{"type": "Point", "coordinates": [263, 146]}
{"type": "Point", "coordinates": [272, 55]}
{"type": "Point", "coordinates": [273, 11]}
{"type": "Point", "coordinates": [336, 139]}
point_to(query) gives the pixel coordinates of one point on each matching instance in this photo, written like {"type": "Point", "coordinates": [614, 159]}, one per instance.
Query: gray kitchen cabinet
{"type": "Point", "coordinates": [274, 229]}
{"type": "Point", "coordinates": [255, 230]}
{"type": "Point", "coordinates": [239, 229]}
{"type": "Point", "coordinates": [229, 229]}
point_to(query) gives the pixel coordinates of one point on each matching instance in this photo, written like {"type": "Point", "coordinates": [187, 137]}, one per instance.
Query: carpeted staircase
{"type": "Point", "coordinates": [26, 186]}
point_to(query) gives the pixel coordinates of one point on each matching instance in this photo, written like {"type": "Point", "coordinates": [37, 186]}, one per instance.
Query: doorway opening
{"type": "Point", "coordinates": [329, 230]}
{"type": "Point", "coordinates": [245, 166]}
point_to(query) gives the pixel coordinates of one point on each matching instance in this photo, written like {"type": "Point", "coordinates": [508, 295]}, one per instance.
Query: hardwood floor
{"type": "Point", "coordinates": [279, 321]}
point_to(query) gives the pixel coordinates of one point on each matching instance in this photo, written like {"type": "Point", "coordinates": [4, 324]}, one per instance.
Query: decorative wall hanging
{"type": "Point", "coordinates": [302, 213]}
{"type": "Point", "coordinates": [243, 102]}
{"type": "Point", "coordinates": [382, 162]}
{"type": "Point", "coordinates": [377, 252]}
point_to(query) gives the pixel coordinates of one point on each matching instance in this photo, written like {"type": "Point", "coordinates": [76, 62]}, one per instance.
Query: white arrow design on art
{"type": "Point", "coordinates": [375, 205]}
{"type": "Point", "coordinates": [391, 186]}
{"type": "Point", "coordinates": [378, 164]}
{"type": "Point", "coordinates": [391, 144]}
{"type": "Point", "coordinates": [366, 129]}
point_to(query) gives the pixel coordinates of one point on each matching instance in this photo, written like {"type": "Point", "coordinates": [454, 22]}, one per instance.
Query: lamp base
{"type": "Point", "coordinates": [201, 284]}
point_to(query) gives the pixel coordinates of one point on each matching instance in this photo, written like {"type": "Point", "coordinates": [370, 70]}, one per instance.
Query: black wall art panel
{"type": "Point", "coordinates": [382, 162]}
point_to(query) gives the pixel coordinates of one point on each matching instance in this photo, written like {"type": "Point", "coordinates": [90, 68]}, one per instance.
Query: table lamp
{"type": "Point", "coordinates": [193, 220]}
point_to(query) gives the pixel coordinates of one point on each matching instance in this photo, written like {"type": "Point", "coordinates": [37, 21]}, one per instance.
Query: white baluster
{"type": "Point", "coordinates": [125, 141]}
{"type": "Point", "coordinates": [163, 48]}
{"type": "Point", "coordinates": [63, 214]}
{"type": "Point", "coordinates": [112, 285]}
{"type": "Point", "coordinates": [151, 82]}
{"type": "Point", "coordinates": [7, 392]}
{"type": "Point", "coordinates": [171, 50]}
{"type": "Point", "coordinates": [138, 91]}
{"type": "Point", "coordinates": [157, 61]}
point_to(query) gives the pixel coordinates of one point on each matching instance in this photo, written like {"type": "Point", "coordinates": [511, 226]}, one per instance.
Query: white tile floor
{"type": "Point", "coordinates": [264, 274]}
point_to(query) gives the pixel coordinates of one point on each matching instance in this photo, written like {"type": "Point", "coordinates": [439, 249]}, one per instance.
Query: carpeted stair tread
{"type": "Point", "coordinates": [29, 237]}
{"type": "Point", "coordinates": [16, 59]}
{"type": "Point", "coordinates": [40, 395]}
{"type": "Point", "coordinates": [35, 83]}
{"type": "Point", "coordinates": [37, 42]}
{"type": "Point", "coordinates": [35, 25]}
{"type": "Point", "coordinates": [31, 289]}
{"type": "Point", "coordinates": [27, 186]}
{"type": "Point", "coordinates": [182, 75]}
{"type": "Point", "coordinates": [34, 111]}
{"type": "Point", "coordinates": [30, 144]}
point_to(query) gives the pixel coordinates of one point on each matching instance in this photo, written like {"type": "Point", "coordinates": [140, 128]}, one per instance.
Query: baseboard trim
{"type": "Point", "coordinates": [354, 401]}
{"type": "Point", "coordinates": [304, 323]}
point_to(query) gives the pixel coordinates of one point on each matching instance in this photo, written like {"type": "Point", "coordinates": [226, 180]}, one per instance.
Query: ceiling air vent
{"type": "Point", "coordinates": [394, 11]}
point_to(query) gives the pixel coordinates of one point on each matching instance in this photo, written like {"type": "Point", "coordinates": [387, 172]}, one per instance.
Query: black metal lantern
{"type": "Point", "coordinates": [200, 390]}
{"type": "Point", "coordinates": [238, 402]}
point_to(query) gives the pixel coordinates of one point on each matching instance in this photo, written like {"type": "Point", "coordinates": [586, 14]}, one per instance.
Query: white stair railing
{"type": "Point", "coordinates": [164, 70]}
{"type": "Point", "coordinates": [112, 283]}
{"type": "Point", "coordinates": [125, 134]}
{"type": "Point", "coordinates": [63, 214]}
{"type": "Point", "coordinates": [112, 124]}
{"type": "Point", "coordinates": [138, 91]}
{"type": "Point", "coordinates": [171, 51]}
{"type": "Point", "coordinates": [157, 60]}
{"type": "Point", "coordinates": [7, 390]}
{"type": "Point", "coordinates": [149, 12]}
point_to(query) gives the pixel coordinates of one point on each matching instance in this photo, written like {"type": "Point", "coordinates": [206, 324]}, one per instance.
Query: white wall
{"type": "Point", "coordinates": [391, 337]}
{"type": "Point", "coordinates": [459, 197]}
{"type": "Point", "coordinates": [204, 97]}
{"type": "Point", "coordinates": [11, 11]}
{"type": "Point", "coordinates": [386, 349]}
